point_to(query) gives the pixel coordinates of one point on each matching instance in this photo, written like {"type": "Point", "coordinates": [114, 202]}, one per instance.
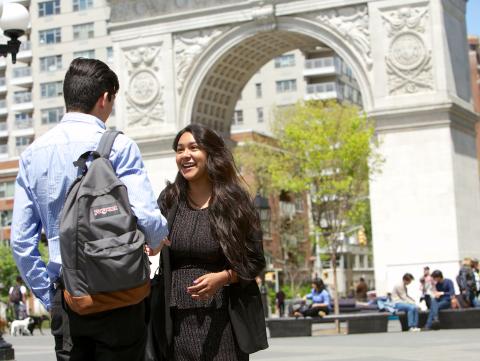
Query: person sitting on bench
{"type": "Point", "coordinates": [320, 301]}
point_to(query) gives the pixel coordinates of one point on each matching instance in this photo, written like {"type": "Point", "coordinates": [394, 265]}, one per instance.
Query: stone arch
{"type": "Point", "coordinates": [213, 85]}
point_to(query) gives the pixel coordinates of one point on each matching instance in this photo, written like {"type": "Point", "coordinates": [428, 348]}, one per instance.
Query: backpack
{"type": "Point", "coordinates": [16, 295]}
{"type": "Point", "coordinates": [104, 265]}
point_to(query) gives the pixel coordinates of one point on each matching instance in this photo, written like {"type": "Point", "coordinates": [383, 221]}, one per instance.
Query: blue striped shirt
{"type": "Point", "coordinates": [46, 171]}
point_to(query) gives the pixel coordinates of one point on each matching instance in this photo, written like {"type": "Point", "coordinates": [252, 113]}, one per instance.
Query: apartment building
{"type": "Point", "coordinates": [322, 75]}
{"type": "Point", "coordinates": [319, 74]}
{"type": "Point", "coordinates": [474, 57]}
{"type": "Point", "coordinates": [31, 91]}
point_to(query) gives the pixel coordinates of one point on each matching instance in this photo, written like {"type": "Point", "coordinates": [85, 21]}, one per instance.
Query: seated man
{"type": "Point", "coordinates": [403, 302]}
{"type": "Point", "coordinates": [442, 298]}
{"type": "Point", "coordinates": [321, 301]}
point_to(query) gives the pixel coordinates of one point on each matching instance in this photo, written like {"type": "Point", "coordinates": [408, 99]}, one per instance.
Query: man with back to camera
{"type": "Point", "coordinates": [46, 172]}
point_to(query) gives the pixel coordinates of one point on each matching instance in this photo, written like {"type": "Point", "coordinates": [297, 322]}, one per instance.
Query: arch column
{"type": "Point", "coordinates": [425, 203]}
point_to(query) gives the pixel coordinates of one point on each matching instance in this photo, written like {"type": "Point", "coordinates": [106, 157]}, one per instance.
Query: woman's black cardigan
{"type": "Point", "coordinates": [244, 307]}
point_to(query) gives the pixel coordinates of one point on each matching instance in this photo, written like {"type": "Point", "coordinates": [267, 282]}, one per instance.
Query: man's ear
{"type": "Point", "coordinates": [104, 99]}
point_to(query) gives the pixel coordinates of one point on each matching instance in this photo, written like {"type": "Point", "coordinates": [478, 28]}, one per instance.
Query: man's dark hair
{"type": "Point", "coordinates": [85, 81]}
{"type": "Point", "coordinates": [437, 274]}
{"type": "Point", "coordinates": [408, 277]}
{"type": "Point", "coordinates": [19, 279]}
{"type": "Point", "coordinates": [426, 268]}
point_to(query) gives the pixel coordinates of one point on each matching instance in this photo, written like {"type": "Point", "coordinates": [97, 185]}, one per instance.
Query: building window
{"type": "Point", "coordinates": [260, 115]}
{"type": "Point", "coordinates": [23, 141]}
{"type": "Point", "coordinates": [51, 89]}
{"type": "Point", "coordinates": [284, 86]}
{"type": "Point", "coordinates": [285, 61]}
{"type": "Point", "coordinates": [23, 121]}
{"type": "Point", "coordinates": [22, 72]}
{"type": "Point", "coordinates": [79, 5]}
{"type": "Point", "coordinates": [7, 190]}
{"type": "Point", "coordinates": [52, 115]}
{"type": "Point", "coordinates": [83, 31]}
{"type": "Point", "coordinates": [258, 90]}
{"type": "Point", "coordinates": [46, 8]}
{"type": "Point", "coordinates": [51, 63]}
{"type": "Point", "coordinates": [6, 217]}
{"type": "Point", "coordinates": [87, 54]}
{"type": "Point", "coordinates": [50, 36]}
{"type": "Point", "coordinates": [22, 97]}
{"type": "Point", "coordinates": [238, 117]}
{"type": "Point", "coordinates": [110, 55]}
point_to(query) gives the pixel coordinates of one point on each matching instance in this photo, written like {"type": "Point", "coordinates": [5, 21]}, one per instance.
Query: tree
{"type": "Point", "coordinates": [8, 267]}
{"type": "Point", "coordinates": [328, 150]}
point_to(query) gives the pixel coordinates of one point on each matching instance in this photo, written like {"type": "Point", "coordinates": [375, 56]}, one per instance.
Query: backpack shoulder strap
{"type": "Point", "coordinates": [106, 142]}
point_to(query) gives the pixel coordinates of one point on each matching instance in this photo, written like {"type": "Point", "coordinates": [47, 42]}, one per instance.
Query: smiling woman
{"type": "Point", "coordinates": [215, 242]}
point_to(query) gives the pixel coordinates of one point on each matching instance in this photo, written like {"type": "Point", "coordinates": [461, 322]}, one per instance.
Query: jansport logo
{"type": "Point", "coordinates": [105, 211]}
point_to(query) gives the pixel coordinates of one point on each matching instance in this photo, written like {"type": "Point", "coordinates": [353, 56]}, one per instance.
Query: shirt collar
{"type": "Point", "coordinates": [83, 118]}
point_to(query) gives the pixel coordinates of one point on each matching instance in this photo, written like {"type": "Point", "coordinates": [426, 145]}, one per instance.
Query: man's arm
{"type": "Point", "coordinates": [25, 236]}
{"type": "Point", "coordinates": [131, 171]}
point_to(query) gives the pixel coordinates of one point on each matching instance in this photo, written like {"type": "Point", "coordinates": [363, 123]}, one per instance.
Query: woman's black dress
{"type": "Point", "coordinates": [201, 329]}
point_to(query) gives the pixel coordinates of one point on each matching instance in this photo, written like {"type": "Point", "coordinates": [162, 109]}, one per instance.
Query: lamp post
{"type": "Point", "coordinates": [14, 20]}
{"type": "Point", "coordinates": [6, 349]}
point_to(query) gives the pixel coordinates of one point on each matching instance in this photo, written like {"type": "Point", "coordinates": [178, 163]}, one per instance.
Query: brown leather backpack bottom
{"type": "Point", "coordinates": [89, 304]}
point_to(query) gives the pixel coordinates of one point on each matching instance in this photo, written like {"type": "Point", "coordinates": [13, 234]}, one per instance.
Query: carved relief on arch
{"type": "Point", "coordinates": [409, 61]}
{"type": "Point", "coordinates": [188, 46]}
{"type": "Point", "coordinates": [145, 89]}
{"type": "Point", "coordinates": [351, 24]}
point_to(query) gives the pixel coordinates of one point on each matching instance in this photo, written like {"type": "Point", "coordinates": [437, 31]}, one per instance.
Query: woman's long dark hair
{"type": "Point", "coordinates": [232, 216]}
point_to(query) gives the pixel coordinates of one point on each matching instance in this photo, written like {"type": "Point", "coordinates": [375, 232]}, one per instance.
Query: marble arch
{"type": "Point", "coordinates": [188, 59]}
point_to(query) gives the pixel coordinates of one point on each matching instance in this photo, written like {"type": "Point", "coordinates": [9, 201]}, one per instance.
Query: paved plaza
{"type": "Point", "coordinates": [444, 345]}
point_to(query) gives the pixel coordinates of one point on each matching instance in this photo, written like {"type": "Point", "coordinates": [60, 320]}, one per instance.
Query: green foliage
{"type": "Point", "coordinates": [8, 268]}
{"type": "Point", "coordinates": [328, 150]}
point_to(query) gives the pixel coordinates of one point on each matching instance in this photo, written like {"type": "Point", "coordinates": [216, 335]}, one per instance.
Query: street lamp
{"type": "Point", "coordinates": [14, 22]}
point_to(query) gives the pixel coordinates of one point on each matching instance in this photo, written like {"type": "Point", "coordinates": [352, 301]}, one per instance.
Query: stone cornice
{"type": "Point", "coordinates": [425, 116]}
{"type": "Point", "coordinates": [228, 14]}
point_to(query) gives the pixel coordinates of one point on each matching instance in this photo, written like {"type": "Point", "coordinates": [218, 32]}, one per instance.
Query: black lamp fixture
{"type": "Point", "coordinates": [14, 23]}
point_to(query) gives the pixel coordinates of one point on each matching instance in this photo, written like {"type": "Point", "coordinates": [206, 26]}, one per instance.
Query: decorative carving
{"type": "Point", "coordinates": [125, 10]}
{"type": "Point", "coordinates": [410, 18]}
{"type": "Point", "coordinates": [409, 62]}
{"type": "Point", "coordinates": [144, 92]}
{"type": "Point", "coordinates": [190, 45]}
{"type": "Point", "coordinates": [264, 15]}
{"type": "Point", "coordinates": [351, 23]}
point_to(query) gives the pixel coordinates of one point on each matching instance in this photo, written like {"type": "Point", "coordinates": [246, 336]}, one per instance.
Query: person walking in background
{"type": "Point", "coordinates": [17, 297]}
{"type": "Point", "coordinates": [442, 299]}
{"type": "Point", "coordinates": [403, 302]}
{"type": "Point", "coordinates": [213, 303]}
{"type": "Point", "coordinates": [361, 290]}
{"type": "Point", "coordinates": [466, 283]}
{"type": "Point", "coordinates": [46, 171]}
{"type": "Point", "coordinates": [280, 302]}
{"type": "Point", "coordinates": [426, 286]}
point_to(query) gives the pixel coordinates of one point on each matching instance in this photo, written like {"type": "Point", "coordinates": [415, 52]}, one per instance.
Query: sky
{"type": "Point", "coordinates": [473, 17]}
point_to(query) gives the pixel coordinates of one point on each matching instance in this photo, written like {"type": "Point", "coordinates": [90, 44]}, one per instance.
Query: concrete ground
{"type": "Point", "coordinates": [443, 345]}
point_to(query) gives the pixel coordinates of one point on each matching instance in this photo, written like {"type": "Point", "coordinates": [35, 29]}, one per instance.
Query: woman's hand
{"type": "Point", "coordinates": [207, 285]}
{"type": "Point", "coordinates": [153, 252]}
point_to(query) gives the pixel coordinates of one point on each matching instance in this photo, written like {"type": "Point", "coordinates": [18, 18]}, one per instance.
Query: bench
{"type": "Point", "coordinates": [356, 323]}
{"type": "Point", "coordinates": [289, 327]}
{"type": "Point", "coordinates": [449, 319]}
{"type": "Point", "coordinates": [363, 322]}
